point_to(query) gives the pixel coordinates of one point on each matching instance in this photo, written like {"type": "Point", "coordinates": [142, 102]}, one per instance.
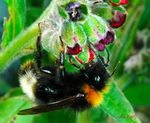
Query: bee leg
{"type": "Point", "coordinates": [103, 61]}
{"type": "Point", "coordinates": [72, 63]}
{"type": "Point", "coordinates": [100, 58]}
{"type": "Point", "coordinates": [60, 72]}
{"type": "Point", "coordinates": [70, 57]}
{"type": "Point", "coordinates": [61, 69]}
{"type": "Point", "coordinates": [38, 55]}
{"type": "Point", "coordinates": [108, 57]}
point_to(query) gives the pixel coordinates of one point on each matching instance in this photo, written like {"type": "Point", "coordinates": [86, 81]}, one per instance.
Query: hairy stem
{"type": "Point", "coordinates": [14, 50]}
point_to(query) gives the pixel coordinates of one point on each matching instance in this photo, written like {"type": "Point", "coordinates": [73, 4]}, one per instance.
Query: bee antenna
{"type": "Point", "coordinates": [100, 58]}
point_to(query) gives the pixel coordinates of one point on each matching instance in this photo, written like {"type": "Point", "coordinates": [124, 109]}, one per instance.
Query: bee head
{"type": "Point", "coordinates": [96, 75]}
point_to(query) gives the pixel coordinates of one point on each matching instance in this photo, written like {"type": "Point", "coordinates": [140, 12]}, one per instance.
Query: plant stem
{"type": "Point", "coordinates": [9, 54]}
{"type": "Point", "coordinates": [15, 48]}
{"type": "Point", "coordinates": [127, 41]}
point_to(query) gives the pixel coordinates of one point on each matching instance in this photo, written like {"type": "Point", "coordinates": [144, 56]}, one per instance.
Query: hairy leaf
{"type": "Point", "coordinates": [116, 105]}
{"type": "Point", "coordinates": [10, 107]}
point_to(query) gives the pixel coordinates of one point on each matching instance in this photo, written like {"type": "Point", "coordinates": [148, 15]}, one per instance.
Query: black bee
{"type": "Point", "coordinates": [54, 88]}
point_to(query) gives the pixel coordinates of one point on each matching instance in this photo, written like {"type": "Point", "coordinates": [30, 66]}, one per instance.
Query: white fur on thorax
{"type": "Point", "coordinates": [27, 82]}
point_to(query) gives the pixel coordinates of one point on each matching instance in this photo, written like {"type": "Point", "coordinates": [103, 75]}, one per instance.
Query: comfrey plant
{"type": "Point", "coordinates": [68, 68]}
{"type": "Point", "coordinates": [83, 27]}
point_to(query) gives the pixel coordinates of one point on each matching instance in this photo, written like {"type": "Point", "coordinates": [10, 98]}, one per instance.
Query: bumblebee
{"type": "Point", "coordinates": [54, 88]}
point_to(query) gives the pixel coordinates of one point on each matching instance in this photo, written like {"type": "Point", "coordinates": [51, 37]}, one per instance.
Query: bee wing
{"type": "Point", "coordinates": [51, 106]}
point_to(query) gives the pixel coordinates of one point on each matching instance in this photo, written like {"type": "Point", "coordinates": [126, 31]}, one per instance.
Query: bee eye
{"type": "Point", "coordinates": [97, 79]}
{"type": "Point", "coordinates": [75, 50]}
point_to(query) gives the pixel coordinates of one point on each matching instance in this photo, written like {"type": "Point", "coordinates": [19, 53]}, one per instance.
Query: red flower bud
{"type": "Point", "coordinates": [74, 50]}
{"type": "Point", "coordinates": [122, 2]}
{"type": "Point", "coordinates": [110, 36]}
{"type": "Point", "coordinates": [100, 46]}
{"type": "Point", "coordinates": [118, 19]}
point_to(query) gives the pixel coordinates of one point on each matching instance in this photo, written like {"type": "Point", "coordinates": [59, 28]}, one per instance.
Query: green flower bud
{"type": "Point", "coordinates": [95, 28]}
{"type": "Point", "coordinates": [73, 36]}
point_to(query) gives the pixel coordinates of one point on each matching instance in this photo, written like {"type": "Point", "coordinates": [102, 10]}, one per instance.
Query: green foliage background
{"type": "Point", "coordinates": [133, 39]}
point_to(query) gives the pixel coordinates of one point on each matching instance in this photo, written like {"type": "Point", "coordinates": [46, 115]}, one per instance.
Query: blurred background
{"type": "Point", "coordinates": [131, 49]}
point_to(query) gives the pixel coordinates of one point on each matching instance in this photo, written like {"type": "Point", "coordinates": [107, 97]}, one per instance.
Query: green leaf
{"type": "Point", "coordinates": [116, 105]}
{"type": "Point", "coordinates": [115, 1]}
{"type": "Point", "coordinates": [63, 2]}
{"type": "Point", "coordinates": [4, 87]}
{"type": "Point", "coordinates": [102, 10]}
{"type": "Point", "coordinates": [24, 119]}
{"type": "Point", "coordinates": [16, 21]}
{"type": "Point", "coordinates": [65, 116]}
{"type": "Point", "coordinates": [120, 9]}
{"type": "Point", "coordinates": [32, 14]}
{"type": "Point", "coordinates": [63, 12]}
{"type": "Point", "coordinates": [84, 117]}
{"type": "Point", "coordinates": [12, 93]}
{"type": "Point", "coordinates": [14, 101]}
{"type": "Point", "coordinates": [72, 30]}
{"type": "Point", "coordinates": [10, 107]}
